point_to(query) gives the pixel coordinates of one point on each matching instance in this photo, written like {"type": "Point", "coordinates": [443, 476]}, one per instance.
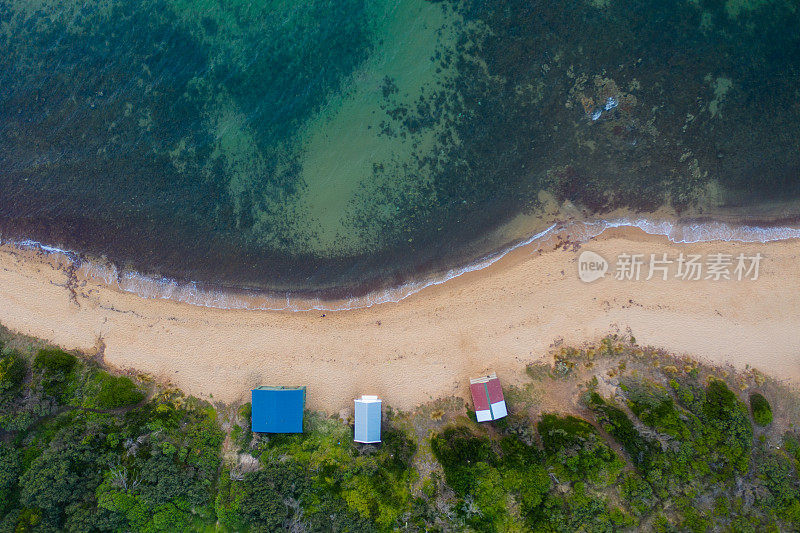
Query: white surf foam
{"type": "Point", "coordinates": [192, 293]}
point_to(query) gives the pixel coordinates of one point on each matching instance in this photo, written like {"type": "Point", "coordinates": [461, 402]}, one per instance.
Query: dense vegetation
{"type": "Point", "coordinates": [689, 463]}
{"type": "Point", "coordinates": [664, 450]}
{"type": "Point", "coordinates": [762, 411]}
{"type": "Point", "coordinates": [79, 451]}
{"type": "Point", "coordinates": [320, 480]}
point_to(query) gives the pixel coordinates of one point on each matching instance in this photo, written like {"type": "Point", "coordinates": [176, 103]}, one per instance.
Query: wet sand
{"type": "Point", "coordinates": [428, 345]}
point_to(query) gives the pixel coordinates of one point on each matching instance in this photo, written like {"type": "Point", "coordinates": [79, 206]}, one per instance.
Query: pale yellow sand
{"type": "Point", "coordinates": [430, 344]}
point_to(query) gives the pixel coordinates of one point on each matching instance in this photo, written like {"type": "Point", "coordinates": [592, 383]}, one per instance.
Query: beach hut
{"type": "Point", "coordinates": [487, 396]}
{"type": "Point", "coordinates": [278, 409]}
{"type": "Point", "coordinates": [368, 419]}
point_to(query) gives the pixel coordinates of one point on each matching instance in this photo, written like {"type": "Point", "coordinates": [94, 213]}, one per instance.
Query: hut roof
{"type": "Point", "coordinates": [487, 396]}
{"type": "Point", "coordinates": [278, 409]}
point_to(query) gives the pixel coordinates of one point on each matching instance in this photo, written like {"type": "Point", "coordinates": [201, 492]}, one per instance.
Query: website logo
{"type": "Point", "coordinates": [591, 266]}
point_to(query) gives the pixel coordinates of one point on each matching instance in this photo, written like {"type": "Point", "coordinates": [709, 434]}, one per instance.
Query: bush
{"type": "Point", "coordinates": [727, 429]}
{"type": "Point", "coordinates": [55, 360]}
{"type": "Point", "coordinates": [524, 474]}
{"type": "Point", "coordinates": [10, 469]}
{"type": "Point", "coordinates": [575, 451]}
{"type": "Point", "coordinates": [12, 371]}
{"type": "Point", "coordinates": [720, 401]}
{"type": "Point", "coordinates": [776, 473]}
{"type": "Point", "coordinates": [762, 410]}
{"type": "Point", "coordinates": [458, 450]}
{"type": "Point", "coordinates": [791, 444]}
{"type": "Point", "coordinates": [638, 494]}
{"type": "Point", "coordinates": [399, 450]}
{"type": "Point", "coordinates": [117, 391]}
{"type": "Point", "coordinates": [57, 368]}
{"type": "Point", "coordinates": [654, 406]}
{"type": "Point", "coordinates": [563, 432]}
{"type": "Point", "coordinates": [619, 426]}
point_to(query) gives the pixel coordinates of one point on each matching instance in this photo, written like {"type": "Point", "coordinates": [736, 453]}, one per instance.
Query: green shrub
{"type": "Point", "coordinates": [720, 400]}
{"type": "Point", "coordinates": [484, 477]}
{"type": "Point", "coordinates": [618, 425]}
{"type": "Point", "coordinates": [638, 494]}
{"type": "Point", "coordinates": [12, 371]}
{"type": "Point", "coordinates": [57, 368]}
{"type": "Point", "coordinates": [727, 429]}
{"type": "Point", "coordinates": [654, 406]}
{"type": "Point", "coordinates": [762, 410]}
{"type": "Point", "coordinates": [562, 432]}
{"type": "Point", "coordinates": [458, 450]}
{"type": "Point", "coordinates": [10, 469]}
{"type": "Point", "coordinates": [575, 451]}
{"type": "Point", "coordinates": [399, 450]}
{"type": "Point", "coordinates": [778, 477]}
{"type": "Point", "coordinates": [524, 474]}
{"type": "Point", "coordinates": [791, 444]}
{"type": "Point", "coordinates": [117, 391]}
{"type": "Point", "coordinates": [246, 413]}
{"type": "Point", "coordinates": [55, 360]}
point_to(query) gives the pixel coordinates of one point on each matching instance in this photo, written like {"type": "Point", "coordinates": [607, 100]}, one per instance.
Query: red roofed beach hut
{"type": "Point", "coordinates": [487, 396]}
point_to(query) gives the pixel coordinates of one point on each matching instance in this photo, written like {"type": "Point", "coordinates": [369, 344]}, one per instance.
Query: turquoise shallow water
{"type": "Point", "coordinates": [335, 147]}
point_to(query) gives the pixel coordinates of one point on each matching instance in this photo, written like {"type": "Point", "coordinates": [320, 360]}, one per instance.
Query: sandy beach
{"type": "Point", "coordinates": [428, 345]}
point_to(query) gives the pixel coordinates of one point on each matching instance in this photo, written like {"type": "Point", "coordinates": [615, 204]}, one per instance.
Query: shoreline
{"type": "Point", "coordinates": [206, 295]}
{"type": "Point", "coordinates": [426, 346]}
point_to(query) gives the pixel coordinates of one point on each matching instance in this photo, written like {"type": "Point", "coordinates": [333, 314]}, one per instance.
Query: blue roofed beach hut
{"type": "Point", "coordinates": [368, 420]}
{"type": "Point", "coordinates": [278, 409]}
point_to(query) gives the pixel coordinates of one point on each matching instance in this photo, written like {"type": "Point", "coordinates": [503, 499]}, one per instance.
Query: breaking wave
{"type": "Point", "coordinates": [194, 293]}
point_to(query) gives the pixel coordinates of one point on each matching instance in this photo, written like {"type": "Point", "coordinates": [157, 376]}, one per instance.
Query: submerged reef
{"type": "Point", "coordinates": [338, 146]}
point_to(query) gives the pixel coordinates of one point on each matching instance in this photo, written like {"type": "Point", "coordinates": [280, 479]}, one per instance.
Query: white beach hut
{"type": "Point", "coordinates": [368, 419]}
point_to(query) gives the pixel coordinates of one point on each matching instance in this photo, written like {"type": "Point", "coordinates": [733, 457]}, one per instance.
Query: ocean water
{"type": "Point", "coordinates": [351, 148]}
